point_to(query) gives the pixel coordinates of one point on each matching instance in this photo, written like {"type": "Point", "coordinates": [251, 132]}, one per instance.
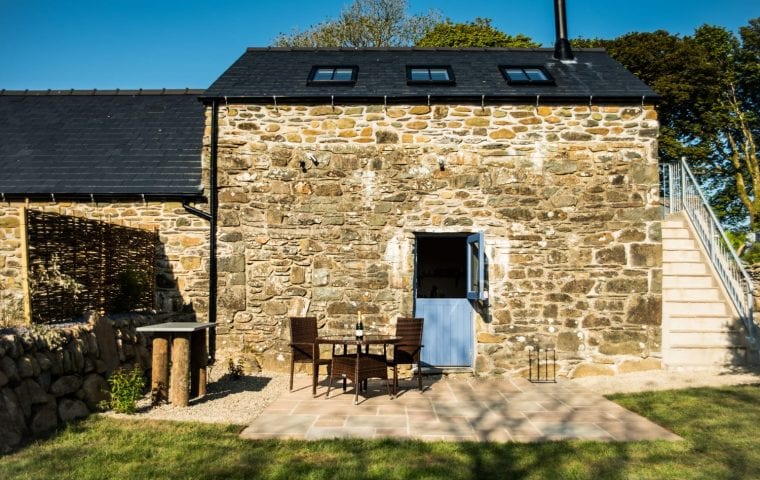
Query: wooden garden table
{"type": "Point", "coordinates": [189, 358]}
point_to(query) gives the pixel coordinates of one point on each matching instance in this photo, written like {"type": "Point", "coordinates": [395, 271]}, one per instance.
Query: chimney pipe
{"type": "Point", "coordinates": [562, 50]}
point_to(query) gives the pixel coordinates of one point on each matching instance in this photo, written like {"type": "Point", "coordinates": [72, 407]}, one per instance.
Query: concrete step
{"type": "Point", "coordinates": [671, 233]}
{"type": "Point", "coordinates": [674, 223]}
{"type": "Point", "coordinates": [681, 256]}
{"type": "Point", "coordinates": [694, 308]}
{"type": "Point", "coordinates": [687, 281]}
{"type": "Point", "coordinates": [685, 268]}
{"type": "Point", "coordinates": [692, 294]}
{"type": "Point", "coordinates": [707, 338]}
{"type": "Point", "coordinates": [703, 356]}
{"type": "Point", "coordinates": [679, 244]}
{"type": "Point", "coordinates": [701, 322]}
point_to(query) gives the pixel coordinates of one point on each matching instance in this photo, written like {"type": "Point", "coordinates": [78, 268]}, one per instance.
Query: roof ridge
{"type": "Point", "coordinates": [412, 49]}
{"type": "Point", "coordinates": [395, 49]}
{"type": "Point", "coordinates": [95, 91]}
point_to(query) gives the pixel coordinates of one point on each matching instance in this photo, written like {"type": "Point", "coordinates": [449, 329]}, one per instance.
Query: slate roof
{"type": "Point", "coordinates": [261, 73]}
{"type": "Point", "coordinates": [101, 143]}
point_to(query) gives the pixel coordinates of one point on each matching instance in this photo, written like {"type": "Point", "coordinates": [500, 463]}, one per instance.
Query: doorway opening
{"type": "Point", "coordinates": [441, 267]}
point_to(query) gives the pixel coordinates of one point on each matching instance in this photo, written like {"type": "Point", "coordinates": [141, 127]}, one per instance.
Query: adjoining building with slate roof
{"type": "Point", "coordinates": [128, 157]}
{"type": "Point", "coordinates": [509, 198]}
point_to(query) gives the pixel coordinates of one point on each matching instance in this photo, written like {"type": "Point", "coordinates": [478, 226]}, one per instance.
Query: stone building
{"type": "Point", "coordinates": [128, 157]}
{"type": "Point", "coordinates": [509, 198]}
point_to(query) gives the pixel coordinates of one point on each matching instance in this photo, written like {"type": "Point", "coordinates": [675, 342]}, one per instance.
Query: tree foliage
{"type": "Point", "coordinates": [365, 23]}
{"type": "Point", "coordinates": [709, 83]}
{"type": "Point", "coordinates": [478, 33]}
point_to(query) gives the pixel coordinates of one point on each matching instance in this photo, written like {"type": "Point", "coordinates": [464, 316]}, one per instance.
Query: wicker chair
{"type": "Point", "coordinates": [304, 349]}
{"type": "Point", "coordinates": [407, 352]}
{"type": "Point", "coordinates": [358, 368]}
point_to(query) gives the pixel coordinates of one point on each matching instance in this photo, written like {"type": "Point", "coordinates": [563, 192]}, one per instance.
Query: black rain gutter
{"type": "Point", "coordinates": [648, 98]}
{"type": "Point", "coordinates": [211, 217]}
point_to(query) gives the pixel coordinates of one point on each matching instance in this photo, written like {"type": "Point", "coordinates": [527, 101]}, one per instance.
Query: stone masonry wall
{"type": "Point", "coordinates": [182, 279]}
{"type": "Point", "coordinates": [566, 196]}
{"type": "Point", "coordinates": [52, 375]}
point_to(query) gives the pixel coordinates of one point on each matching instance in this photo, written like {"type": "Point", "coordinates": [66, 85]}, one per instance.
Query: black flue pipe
{"type": "Point", "coordinates": [562, 50]}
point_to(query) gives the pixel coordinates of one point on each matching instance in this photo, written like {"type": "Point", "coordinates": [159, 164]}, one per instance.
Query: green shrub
{"type": "Point", "coordinates": [235, 370]}
{"type": "Point", "coordinates": [126, 389]}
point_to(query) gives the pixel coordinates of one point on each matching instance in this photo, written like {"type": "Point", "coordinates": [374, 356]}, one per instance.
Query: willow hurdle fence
{"type": "Point", "coordinates": [78, 264]}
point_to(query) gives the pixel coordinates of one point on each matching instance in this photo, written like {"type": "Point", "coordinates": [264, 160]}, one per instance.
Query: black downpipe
{"type": "Point", "coordinates": [212, 281]}
{"type": "Point", "coordinates": [562, 50]}
{"type": "Point", "coordinates": [211, 218]}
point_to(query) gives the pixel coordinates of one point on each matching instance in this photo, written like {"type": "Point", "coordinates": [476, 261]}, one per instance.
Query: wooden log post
{"type": "Point", "coordinates": [180, 375]}
{"type": "Point", "coordinates": [198, 363]}
{"type": "Point", "coordinates": [159, 378]}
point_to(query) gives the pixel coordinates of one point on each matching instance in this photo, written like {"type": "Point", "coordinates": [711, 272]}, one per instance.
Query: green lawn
{"type": "Point", "coordinates": [719, 427]}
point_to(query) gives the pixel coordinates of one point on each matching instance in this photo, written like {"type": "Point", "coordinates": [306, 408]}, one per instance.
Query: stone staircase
{"type": "Point", "coordinates": [700, 328]}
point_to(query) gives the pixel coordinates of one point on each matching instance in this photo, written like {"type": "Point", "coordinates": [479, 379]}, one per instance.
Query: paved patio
{"type": "Point", "coordinates": [454, 409]}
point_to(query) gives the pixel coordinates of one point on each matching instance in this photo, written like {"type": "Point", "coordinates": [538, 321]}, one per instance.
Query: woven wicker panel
{"type": "Point", "coordinates": [102, 258]}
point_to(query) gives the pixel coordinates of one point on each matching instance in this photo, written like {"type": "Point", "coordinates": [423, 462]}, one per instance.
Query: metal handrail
{"type": "Point", "coordinates": [684, 194]}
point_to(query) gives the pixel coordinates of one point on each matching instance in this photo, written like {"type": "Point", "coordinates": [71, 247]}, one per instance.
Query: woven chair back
{"type": "Point", "coordinates": [410, 331]}
{"type": "Point", "coordinates": [303, 330]}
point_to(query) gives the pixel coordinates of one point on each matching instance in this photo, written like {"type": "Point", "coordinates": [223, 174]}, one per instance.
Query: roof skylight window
{"type": "Point", "coordinates": [333, 75]}
{"type": "Point", "coordinates": [430, 74]}
{"type": "Point", "coordinates": [526, 75]}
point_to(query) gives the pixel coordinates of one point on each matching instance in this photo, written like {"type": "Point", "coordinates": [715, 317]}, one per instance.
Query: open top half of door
{"type": "Point", "coordinates": [476, 267]}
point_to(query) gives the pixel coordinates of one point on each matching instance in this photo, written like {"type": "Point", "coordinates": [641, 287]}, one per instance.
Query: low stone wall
{"type": "Point", "coordinates": [52, 375]}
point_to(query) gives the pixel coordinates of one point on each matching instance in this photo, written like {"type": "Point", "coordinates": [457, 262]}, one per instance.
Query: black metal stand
{"type": "Point", "coordinates": [537, 361]}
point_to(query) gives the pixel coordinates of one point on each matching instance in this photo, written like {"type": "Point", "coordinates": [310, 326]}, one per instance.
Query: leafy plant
{"type": "Point", "coordinates": [11, 309]}
{"type": "Point", "coordinates": [126, 388]}
{"type": "Point", "coordinates": [48, 277]}
{"type": "Point", "coordinates": [235, 370]}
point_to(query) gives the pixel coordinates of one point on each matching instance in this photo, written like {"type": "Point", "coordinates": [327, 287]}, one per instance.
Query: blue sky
{"type": "Point", "coordinates": [127, 44]}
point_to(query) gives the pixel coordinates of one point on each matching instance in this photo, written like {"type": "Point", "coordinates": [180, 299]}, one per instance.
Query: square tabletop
{"type": "Point", "coordinates": [176, 327]}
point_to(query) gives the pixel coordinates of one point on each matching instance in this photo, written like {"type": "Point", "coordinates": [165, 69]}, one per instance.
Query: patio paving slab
{"type": "Point", "coordinates": [453, 409]}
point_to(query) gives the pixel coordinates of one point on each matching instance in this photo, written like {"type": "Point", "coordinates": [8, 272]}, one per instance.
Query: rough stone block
{"type": "Point", "coordinates": [644, 310]}
{"type": "Point", "coordinates": [66, 385]}
{"type": "Point", "coordinates": [591, 370]}
{"type": "Point", "coordinates": [45, 418]}
{"type": "Point", "coordinates": [9, 368]}
{"type": "Point", "coordinates": [70, 409]}
{"type": "Point", "coordinates": [646, 255]}
{"type": "Point", "coordinates": [627, 285]}
{"type": "Point", "coordinates": [94, 390]}
{"type": "Point", "coordinates": [613, 255]}
{"type": "Point", "coordinates": [485, 337]}
{"type": "Point", "coordinates": [568, 342]}
{"type": "Point", "coordinates": [640, 365]}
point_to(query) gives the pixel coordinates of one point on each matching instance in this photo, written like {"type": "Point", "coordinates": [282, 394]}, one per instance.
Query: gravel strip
{"type": "Point", "coordinates": [666, 380]}
{"type": "Point", "coordinates": [228, 400]}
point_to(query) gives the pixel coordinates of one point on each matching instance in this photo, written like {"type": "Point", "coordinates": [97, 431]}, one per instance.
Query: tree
{"type": "Point", "coordinates": [365, 23]}
{"type": "Point", "coordinates": [478, 33]}
{"type": "Point", "coordinates": [710, 84]}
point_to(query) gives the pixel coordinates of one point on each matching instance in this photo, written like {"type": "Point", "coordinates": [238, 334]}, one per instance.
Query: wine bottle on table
{"type": "Point", "coordinates": [359, 326]}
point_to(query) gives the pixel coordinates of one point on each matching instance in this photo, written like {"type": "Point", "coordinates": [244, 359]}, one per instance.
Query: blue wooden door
{"type": "Point", "coordinates": [448, 279]}
{"type": "Point", "coordinates": [448, 331]}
